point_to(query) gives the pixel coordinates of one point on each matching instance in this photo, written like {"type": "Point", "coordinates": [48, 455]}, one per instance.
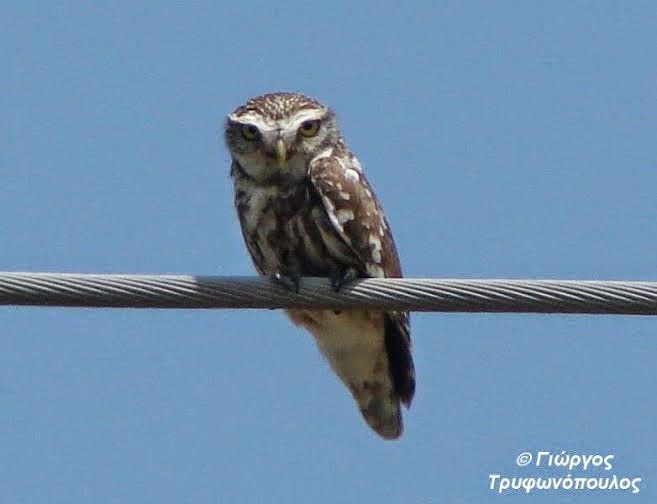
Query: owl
{"type": "Point", "coordinates": [306, 209]}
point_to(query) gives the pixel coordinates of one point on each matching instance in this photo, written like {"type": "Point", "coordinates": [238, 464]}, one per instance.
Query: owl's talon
{"type": "Point", "coordinates": [343, 277]}
{"type": "Point", "coordinates": [288, 282]}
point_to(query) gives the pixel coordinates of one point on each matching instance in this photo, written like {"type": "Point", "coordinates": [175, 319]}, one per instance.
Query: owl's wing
{"type": "Point", "coordinates": [358, 220]}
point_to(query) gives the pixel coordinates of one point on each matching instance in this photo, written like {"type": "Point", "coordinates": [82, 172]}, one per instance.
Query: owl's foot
{"type": "Point", "coordinates": [343, 277]}
{"type": "Point", "coordinates": [288, 282]}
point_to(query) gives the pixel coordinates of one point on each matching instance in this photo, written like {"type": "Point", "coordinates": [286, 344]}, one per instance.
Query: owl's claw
{"type": "Point", "coordinates": [288, 282]}
{"type": "Point", "coordinates": [343, 277]}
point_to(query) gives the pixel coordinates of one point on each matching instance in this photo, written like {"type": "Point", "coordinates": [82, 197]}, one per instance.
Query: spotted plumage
{"type": "Point", "coordinates": [306, 209]}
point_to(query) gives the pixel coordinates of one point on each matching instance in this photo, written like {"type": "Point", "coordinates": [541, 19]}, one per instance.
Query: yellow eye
{"type": "Point", "coordinates": [250, 132]}
{"type": "Point", "coordinates": [309, 128]}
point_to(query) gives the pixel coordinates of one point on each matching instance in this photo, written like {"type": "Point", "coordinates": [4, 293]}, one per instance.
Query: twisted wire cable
{"type": "Point", "coordinates": [414, 294]}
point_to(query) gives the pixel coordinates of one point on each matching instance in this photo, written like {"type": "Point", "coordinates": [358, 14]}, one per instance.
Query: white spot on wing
{"type": "Point", "coordinates": [345, 195]}
{"type": "Point", "coordinates": [352, 175]}
{"type": "Point", "coordinates": [375, 241]}
{"type": "Point", "coordinates": [330, 211]}
{"type": "Point", "coordinates": [345, 215]}
{"type": "Point", "coordinates": [375, 270]}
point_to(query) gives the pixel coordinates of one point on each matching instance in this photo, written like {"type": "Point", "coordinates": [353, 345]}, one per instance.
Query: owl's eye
{"type": "Point", "coordinates": [309, 128]}
{"type": "Point", "coordinates": [250, 132]}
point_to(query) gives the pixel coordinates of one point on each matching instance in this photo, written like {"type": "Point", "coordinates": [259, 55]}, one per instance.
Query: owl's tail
{"type": "Point", "coordinates": [354, 345]}
{"type": "Point", "coordinates": [379, 405]}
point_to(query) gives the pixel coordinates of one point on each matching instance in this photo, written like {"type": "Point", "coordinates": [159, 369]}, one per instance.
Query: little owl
{"type": "Point", "coordinates": [306, 209]}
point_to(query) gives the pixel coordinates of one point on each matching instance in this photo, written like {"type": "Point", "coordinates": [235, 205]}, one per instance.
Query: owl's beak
{"type": "Point", "coordinates": [281, 153]}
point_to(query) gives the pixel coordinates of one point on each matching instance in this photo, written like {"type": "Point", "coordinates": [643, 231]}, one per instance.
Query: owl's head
{"type": "Point", "coordinates": [275, 136]}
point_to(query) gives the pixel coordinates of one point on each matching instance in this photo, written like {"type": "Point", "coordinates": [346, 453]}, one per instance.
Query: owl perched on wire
{"type": "Point", "coordinates": [306, 209]}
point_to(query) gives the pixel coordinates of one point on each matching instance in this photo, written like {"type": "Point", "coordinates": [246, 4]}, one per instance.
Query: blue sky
{"type": "Point", "coordinates": [505, 139]}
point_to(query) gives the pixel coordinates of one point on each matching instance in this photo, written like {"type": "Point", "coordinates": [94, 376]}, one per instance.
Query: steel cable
{"type": "Point", "coordinates": [415, 294]}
